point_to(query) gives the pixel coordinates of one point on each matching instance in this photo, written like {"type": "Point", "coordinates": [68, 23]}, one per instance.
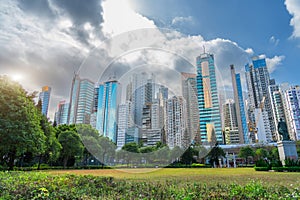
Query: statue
{"type": "Point", "coordinates": [282, 130]}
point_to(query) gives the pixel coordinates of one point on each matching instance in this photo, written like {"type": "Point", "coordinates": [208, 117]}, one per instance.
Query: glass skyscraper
{"type": "Point", "coordinates": [44, 97]}
{"type": "Point", "coordinates": [61, 116]}
{"type": "Point", "coordinates": [81, 101]}
{"type": "Point", "coordinates": [208, 100]}
{"type": "Point", "coordinates": [240, 108]}
{"type": "Point", "coordinates": [108, 101]}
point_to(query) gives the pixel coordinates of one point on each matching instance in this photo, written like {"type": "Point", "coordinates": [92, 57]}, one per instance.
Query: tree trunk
{"type": "Point", "coordinates": [65, 162]}
{"type": "Point", "coordinates": [39, 163]}
{"type": "Point", "coordinates": [11, 161]}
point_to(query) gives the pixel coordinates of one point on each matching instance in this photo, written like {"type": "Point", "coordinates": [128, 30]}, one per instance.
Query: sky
{"type": "Point", "coordinates": [44, 42]}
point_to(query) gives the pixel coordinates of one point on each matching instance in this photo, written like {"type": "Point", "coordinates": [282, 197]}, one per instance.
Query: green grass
{"type": "Point", "coordinates": [240, 183]}
{"type": "Point", "coordinates": [203, 175]}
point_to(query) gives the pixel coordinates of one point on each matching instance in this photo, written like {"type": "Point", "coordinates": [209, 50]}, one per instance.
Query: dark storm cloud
{"type": "Point", "coordinates": [82, 11]}
{"type": "Point", "coordinates": [37, 7]}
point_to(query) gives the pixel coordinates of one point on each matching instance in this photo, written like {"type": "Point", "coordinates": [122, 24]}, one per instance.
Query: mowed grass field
{"type": "Point", "coordinates": [209, 176]}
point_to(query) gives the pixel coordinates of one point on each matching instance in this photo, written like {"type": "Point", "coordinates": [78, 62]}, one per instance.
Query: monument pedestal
{"type": "Point", "coordinates": [287, 150]}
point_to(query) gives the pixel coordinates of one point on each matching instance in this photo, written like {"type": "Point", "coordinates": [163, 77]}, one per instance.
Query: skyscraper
{"type": "Point", "coordinates": [189, 92]}
{"type": "Point", "coordinates": [208, 100]}
{"type": "Point", "coordinates": [230, 118]}
{"type": "Point", "coordinates": [239, 106]}
{"type": "Point", "coordinates": [292, 98]}
{"type": "Point", "coordinates": [61, 116]}
{"type": "Point", "coordinates": [44, 97]}
{"type": "Point", "coordinates": [81, 101]}
{"type": "Point", "coordinates": [107, 114]}
{"type": "Point", "coordinates": [143, 91]}
{"type": "Point", "coordinates": [125, 122]}
{"type": "Point", "coordinates": [175, 122]}
{"type": "Point", "coordinates": [258, 81]}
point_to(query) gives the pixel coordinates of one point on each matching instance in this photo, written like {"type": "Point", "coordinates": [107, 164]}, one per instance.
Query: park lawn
{"type": "Point", "coordinates": [208, 176]}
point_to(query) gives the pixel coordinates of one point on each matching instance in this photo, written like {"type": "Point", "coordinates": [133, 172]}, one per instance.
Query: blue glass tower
{"type": "Point", "coordinates": [208, 100]}
{"type": "Point", "coordinates": [108, 100]}
{"type": "Point", "coordinates": [44, 97]}
{"type": "Point", "coordinates": [240, 107]}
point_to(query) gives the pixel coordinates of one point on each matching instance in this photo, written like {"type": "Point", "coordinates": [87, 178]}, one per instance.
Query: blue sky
{"type": "Point", "coordinates": [44, 41]}
{"type": "Point", "coordinates": [257, 24]}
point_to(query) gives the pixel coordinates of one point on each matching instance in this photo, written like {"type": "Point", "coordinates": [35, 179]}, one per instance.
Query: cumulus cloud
{"type": "Point", "coordinates": [293, 7]}
{"type": "Point", "coordinates": [274, 62]}
{"type": "Point", "coordinates": [49, 40]}
{"type": "Point", "coordinates": [180, 20]}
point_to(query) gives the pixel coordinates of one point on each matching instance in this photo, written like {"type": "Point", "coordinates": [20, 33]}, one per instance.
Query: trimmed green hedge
{"type": "Point", "coordinates": [288, 169]}
{"type": "Point", "coordinates": [261, 168]}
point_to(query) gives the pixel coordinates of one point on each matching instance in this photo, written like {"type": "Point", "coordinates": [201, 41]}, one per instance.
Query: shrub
{"type": "Point", "coordinates": [261, 168]}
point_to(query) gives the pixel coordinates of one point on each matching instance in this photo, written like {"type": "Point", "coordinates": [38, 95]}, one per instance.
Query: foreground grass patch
{"type": "Point", "coordinates": [209, 176]}
{"type": "Point", "coordinates": [38, 185]}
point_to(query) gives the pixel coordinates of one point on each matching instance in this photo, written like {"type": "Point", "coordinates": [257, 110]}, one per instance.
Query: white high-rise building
{"type": "Point", "coordinates": [81, 101]}
{"type": "Point", "coordinates": [292, 98]}
{"type": "Point", "coordinates": [175, 121]}
{"type": "Point", "coordinates": [189, 92]}
{"type": "Point", "coordinates": [125, 121]}
{"type": "Point", "coordinates": [258, 81]}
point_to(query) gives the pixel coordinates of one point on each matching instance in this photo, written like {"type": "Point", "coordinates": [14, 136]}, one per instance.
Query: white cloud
{"type": "Point", "coordinates": [119, 18]}
{"type": "Point", "coordinates": [273, 40]}
{"type": "Point", "coordinates": [293, 7]}
{"type": "Point", "coordinates": [180, 20]}
{"type": "Point", "coordinates": [273, 63]}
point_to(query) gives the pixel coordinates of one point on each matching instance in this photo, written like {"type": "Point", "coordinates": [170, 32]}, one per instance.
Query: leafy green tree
{"type": "Point", "coordinates": [246, 152]}
{"type": "Point", "coordinates": [188, 156]}
{"type": "Point", "coordinates": [130, 151]}
{"type": "Point", "coordinates": [71, 146]}
{"type": "Point", "coordinates": [215, 154]}
{"type": "Point", "coordinates": [261, 153]}
{"type": "Point", "coordinates": [108, 149]}
{"type": "Point", "coordinates": [20, 129]}
{"type": "Point", "coordinates": [91, 140]}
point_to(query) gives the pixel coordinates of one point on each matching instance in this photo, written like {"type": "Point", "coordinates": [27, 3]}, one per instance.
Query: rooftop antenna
{"type": "Point", "coordinates": [203, 48]}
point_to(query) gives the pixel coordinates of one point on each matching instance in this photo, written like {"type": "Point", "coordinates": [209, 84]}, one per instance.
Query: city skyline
{"type": "Point", "coordinates": [77, 28]}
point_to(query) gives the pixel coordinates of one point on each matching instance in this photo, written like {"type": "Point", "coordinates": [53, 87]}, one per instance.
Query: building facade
{"type": "Point", "coordinates": [44, 97]}
{"type": "Point", "coordinates": [258, 82]}
{"type": "Point", "coordinates": [240, 108]}
{"type": "Point", "coordinates": [208, 100]}
{"type": "Point", "coordinates": [81, 101]}
{"type": "Point", "coordinates": [61, 115]}
{"type": "Point", "coordinates": [175, 122]}
{"type": "Point", "coordinates": [189, 93]}
{"type": "Point", "coordinates": [109, 96]}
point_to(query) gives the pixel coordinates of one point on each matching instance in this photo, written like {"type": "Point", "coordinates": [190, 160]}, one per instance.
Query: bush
{"type": "Point", "coordinates": [261, 163]}
{"type": "Point", "coordinates": [198, 165]}
{"type": "Point", "coordinates": [261, 168]}
{"type": "Point", "coordinates": [287, 169]}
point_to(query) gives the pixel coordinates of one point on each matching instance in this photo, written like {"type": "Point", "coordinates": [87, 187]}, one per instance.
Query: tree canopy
{"type": "Point", "coordinates": [20, 129]}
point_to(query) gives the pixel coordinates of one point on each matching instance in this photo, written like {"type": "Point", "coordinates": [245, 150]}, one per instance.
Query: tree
{"type": "Point", "coordinates": [130, 151]}
{"type": "Point", "coordinates": [215, 154]}
{"type": "Point", "coordinates": [261, 153]}
{"type": "Point", "coordinates": [246, 152]}
{"type": "Point", "coordinates": [53, 147]}
{"type": "Point", "coordinates": [20, 129]}
{"type": "Point", "coordinates": [188, 156]}
{"type": "Point", "coordinates": [71, 146]}
{"type": "Point", "coordinates": [108, 149]}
